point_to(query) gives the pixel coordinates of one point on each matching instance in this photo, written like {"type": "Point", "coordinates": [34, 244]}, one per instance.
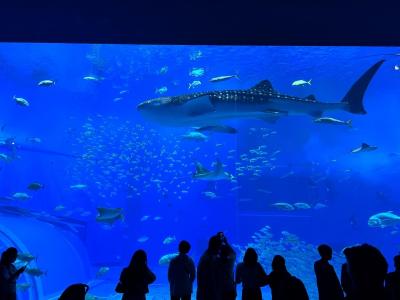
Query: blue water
{"type": "Point", "coordinates": [126, 161]}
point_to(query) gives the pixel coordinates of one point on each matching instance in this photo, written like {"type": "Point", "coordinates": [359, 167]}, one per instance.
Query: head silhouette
{"type": "Point", "coordinates": [184, 247]}
{"type": "Point", "coordinates": [9, 256]}
{"type": "Point", "coordinates": [214, 244]}
{"type": "Point", "coordinates": [250, 257]}
{"type": "Point", "coordinates": [139, 260]}
{"type": "Point", "coordinates": [397, 262]}
{"type": "Point", "coordinates": [325, 251]}
{"type": "Point", "coordinates": [278, 263]}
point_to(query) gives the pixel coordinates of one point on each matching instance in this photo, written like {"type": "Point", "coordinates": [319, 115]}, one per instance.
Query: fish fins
{"type": "Point", "coordinates": [355, 96]}
{"type": "Point", "coordinates": [264, 85]}
{"type": "Point", "coordinates": [200, 169]}
{"type": "Point", "coordinates": [364, 145]}
{"type": "Point", "coordinates": [199, 106]}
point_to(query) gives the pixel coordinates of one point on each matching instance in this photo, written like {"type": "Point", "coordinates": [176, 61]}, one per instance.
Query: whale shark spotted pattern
{"type": "Point", "coordinates": [260, 101]}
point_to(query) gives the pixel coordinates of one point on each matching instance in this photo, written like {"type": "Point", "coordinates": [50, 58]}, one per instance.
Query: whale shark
{"type": "Point", "coordinates": [262, 101]}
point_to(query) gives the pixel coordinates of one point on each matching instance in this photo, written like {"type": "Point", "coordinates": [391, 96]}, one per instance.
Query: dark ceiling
{"type": "Point", "coordinates": [202, 22]}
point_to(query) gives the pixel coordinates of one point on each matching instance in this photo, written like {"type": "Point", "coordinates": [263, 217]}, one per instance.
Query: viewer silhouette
{"type": "Point", "coordinates": [252, 276]}
{"type": "Point", "coordinates": [135, 278]}
{"type": "Point", "coordinates": [75, 291]}
{"type": "Point", "coordinates": [226, 269]}
{"type": "Point", "coordinates": [345, 278]}
{"type": "Point", "coordinates": [392, 282]}
{"type": "Point", "coordinates": [181, 274]}
{"type": "Point", "coordinates": [208, 287]}
{"type": "Point", "coordinates": [283, 285]}
{"type": "Point", "coordinates": [327, 281]}
{"type": "Point", "coordinates": [367, 269]}
{"type": "Point", "coordinates": [9, 274]}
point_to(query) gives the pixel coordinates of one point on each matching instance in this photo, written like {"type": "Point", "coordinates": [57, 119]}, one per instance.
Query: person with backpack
{"type": "Point", "coordinates": [251, 275]}
{"type": "Point", "coordinates": [135, 279]}
{"type": "Point", "coordinates": [283, 285]}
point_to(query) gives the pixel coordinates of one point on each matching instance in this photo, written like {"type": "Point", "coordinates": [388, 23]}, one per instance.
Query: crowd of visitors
{"type": "Point", "coordinates": [364, 276]}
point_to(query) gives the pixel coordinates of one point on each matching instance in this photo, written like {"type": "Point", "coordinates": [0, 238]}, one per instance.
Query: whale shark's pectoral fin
{"type": "Point", "coordinates": [200, 169]}
{"type": "Point", "coordinates": [199, 106]}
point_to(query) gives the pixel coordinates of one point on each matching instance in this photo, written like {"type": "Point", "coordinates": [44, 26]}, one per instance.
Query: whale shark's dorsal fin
{"type": "Point", "coordinates": [263, 85]}
{"type": "Point", "coordinates": [200, 169]}
{"type": "Point", "coordinates": [364, 145]}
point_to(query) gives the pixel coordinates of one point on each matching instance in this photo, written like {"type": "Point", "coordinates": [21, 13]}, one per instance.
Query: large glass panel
{"type": "Point", "coordinates": [106, 149]}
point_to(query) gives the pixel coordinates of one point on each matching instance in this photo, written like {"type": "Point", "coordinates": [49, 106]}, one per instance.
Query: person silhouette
{"type": "Point", "coordinates": [208, 286]}
{"type": "Point", "coordinates": [181, 274]}
{"type": "Point", "coordinates": [226, 270]}
{"type": "Point", "coordinates": [327, 281]}
{"type": "Point", "coordinates": [251, 275]}
{"type": "Point", "coordinates": [367, 269]}
{"type": "Point", "coordinates": [283, 285]}
{"type": "Point", "coordinates": [75, 291]}
{"type": "Point", "coordinates": [345, 279]}
{"type": "Point", "coordinates": [392, 282]}
{"type": "Point", "coordinates": [135, 279]}
{"type": "Point", "coordinates": [9, 274]}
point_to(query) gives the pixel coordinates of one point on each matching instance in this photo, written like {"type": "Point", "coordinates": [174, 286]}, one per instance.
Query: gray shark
{"type": "Point", "coordinates": [217, 174]}
{"type": "Point", "coordinates": [261, 101]}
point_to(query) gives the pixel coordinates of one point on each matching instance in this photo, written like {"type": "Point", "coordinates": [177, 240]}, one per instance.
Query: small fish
{"type": "Point", "coordinates": [157, 218]}
{"type": "Point", "coordinates": [196, 72]}
{"type": "Point", "coordinates": [21, 196]}
{"type": "Point", "coordinates": [59, 207]}
{"type": "Point", "coordinates": [327, 120]}
{"type": "Point", "coordinates": [21, 101]}
{"type": "Point", "coordinates": [397, 67]}
{"type": "Point", "coordinates": [283, 206]}
{"type": "Point", "coordinates": [35, 186]}
{"type": "Point", "coordinates": [161, 90]}
{"type": "Point", "coordinates": [194, 84]}
{"type": "Point", "coordinates": [144, 218]}
{"type": "Point", "coordinates": [320, 206]}
{"type": "Point", "coordinates": [302, 205]}
{"type": "Point", "coordinates": [163, 70]}
{"type": "Point", "coordinates": [93, 78]}
{"type": "Point", "coordinates": [26, 257]}
{"type": "Point", "coordinates": [209, 194]}
{"type": "Point", "coordinates": [301, 82]}
{"type": "Point", "coordinates": [46, 83]}
{"type": "Point", "coordinates": [143, 239]}
{"type": "Point", "coordinates": [36, 272]}
{"type": "Point", "coordinates": [78, 187]}
{"type": "Point", "coordinates": [223, 78]}
{"type": "Point", "coordinates": [4, 157]}
{"type": "Point", "coordinates": [102, 271]}
{"type": "Point", "coordinates": [364, 148]}
{"type": "Point", "coordinates": [118, 99]}
{"type": "Point", "coordinates": [169, 240]}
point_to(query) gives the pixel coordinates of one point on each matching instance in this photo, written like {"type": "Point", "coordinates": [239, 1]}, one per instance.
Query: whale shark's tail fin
{"type": "Point", "coordinates": [355, 96]}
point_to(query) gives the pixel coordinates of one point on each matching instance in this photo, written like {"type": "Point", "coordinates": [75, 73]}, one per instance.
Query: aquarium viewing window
{"type": "Point", "coordinates": [105, 149]}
